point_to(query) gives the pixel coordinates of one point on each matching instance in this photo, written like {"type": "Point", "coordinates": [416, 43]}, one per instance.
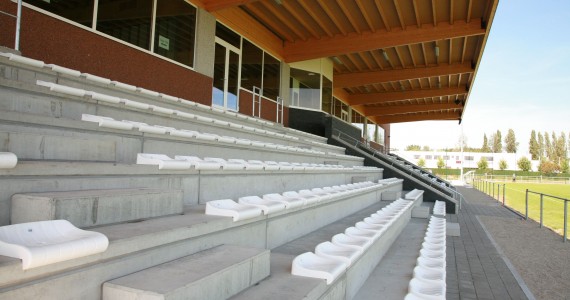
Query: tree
{"type": "Point", "coordinates": [524, 164]}
{"type": "Point", "coordinates": [422, 163]}
{"type": "Point", "coordinates": [482, 164]}
{"type": "Point", "coordinates": [553, 145]}
{"type": "Point", "coordinates": [497, 143]}
{"type": "Point", "coordinates": [413, 148]}
{"type": "Point", "coordinates": [440, 162]}
{"type": "Point", "coordinates": [561, 150]}
{"type": "Point", "coordinates": [485, 147]}
{"type": "Point", "coordinates": [426, 148]}
{"type": "Point", "coordinates": [547, 146]}
{"type": "Point", "coordinates": [533, 146]}
{"type": "Point", "coordinates": [548, 168]}
{"type": "Point", "coordinates": [503, 165]}
{"type": "Point", "coordinates": [511, 142]}
{"type": "Point", "coordinates": [540, 146]}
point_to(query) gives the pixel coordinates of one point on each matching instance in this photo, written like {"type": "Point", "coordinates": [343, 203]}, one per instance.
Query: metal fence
{"type": "Point", "coordinates": [528, 179]}
{"type": "Point", "coordinates": [533, 206]}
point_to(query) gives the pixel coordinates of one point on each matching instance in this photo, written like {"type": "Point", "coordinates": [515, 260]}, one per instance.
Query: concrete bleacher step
{"type": "Point", "coordinates": [216, 273]}
{"type": "Point", "coordinates": [87, 208]}
{"type": "Point", "coordinates": [281, 284]}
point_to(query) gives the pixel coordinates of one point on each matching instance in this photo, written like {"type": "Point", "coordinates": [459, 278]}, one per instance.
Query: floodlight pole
{"type": "Point", "coordinates": [461, 142]}
{"type": "Point", "coordinates": [18, 22]}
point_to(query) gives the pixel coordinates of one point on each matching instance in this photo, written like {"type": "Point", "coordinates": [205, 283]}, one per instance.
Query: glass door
{"type": "Point", "coordinates": [226, 75]}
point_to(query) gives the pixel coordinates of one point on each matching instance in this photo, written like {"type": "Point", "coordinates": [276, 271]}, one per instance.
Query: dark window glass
{"type": "Point", "coordinates": [175, 30]}
{"type": "Point", "coordinates": [129, 20]}
{"type": "Point", "coordinates": [251, 66]}
{"type": "Point", "coordinates": [228, 35]}
{"type": "Point", "coordinates": [271, 77]}
{"type": "Point", "coordinates": [80, 11]}
{"type": "Point", "coordinates": [305, 89]}
{"type": "Point", "coordinates": [428, 156]}
{"type": "Point", "coordinates": [489, 158]}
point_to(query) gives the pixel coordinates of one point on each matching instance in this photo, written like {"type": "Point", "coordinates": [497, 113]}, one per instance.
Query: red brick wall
{"type": "Point", "coordinates": [57, 42]}
{"type": "Point", "coordinates": [268, 108]}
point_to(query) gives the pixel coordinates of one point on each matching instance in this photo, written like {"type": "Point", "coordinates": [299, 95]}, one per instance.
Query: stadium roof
{"type": "Point", "coordinates": [394, 60]}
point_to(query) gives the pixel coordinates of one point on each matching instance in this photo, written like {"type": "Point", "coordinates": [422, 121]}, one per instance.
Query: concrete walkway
{"type": "Point", "coordinates": [538, 254]}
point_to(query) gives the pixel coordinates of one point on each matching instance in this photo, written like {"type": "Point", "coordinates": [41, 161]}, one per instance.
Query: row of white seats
{"type": "Point", "coordinates": [439, 208]}
{"type": "Point", "coordinates": [155, 108]}
{"type": "Point", "coordinates": [46, 242]}
{"type": "Point", "coordinates": [107, 122]}
{"type": "Point", "coordinates": [253, 206]}
{"type": "Point", "coordinates": [331, 259]}
{"type": "Point", "coordinates": [429, 276]}
{"type": "Point", "coordinates": [181, 162]}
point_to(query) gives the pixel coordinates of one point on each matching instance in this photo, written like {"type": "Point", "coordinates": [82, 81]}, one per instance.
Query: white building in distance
{"type": "Point", "coordinates": [470, 159]}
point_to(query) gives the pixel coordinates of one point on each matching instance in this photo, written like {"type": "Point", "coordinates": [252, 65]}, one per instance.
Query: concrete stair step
{"type": "Point", "coordinates": [86, 208]}
{"type": "Point", "coordinates": [216, 273]}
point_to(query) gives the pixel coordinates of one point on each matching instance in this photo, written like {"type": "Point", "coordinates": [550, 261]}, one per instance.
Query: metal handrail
{"type": "Point", "coordinates": [488, 187]}
{"type": "Point", "coordinates": [258, 101]}
{"type": "Point", "coordinates": [456, 195]}
{"type": "Point", "coordinates": [277, 115]}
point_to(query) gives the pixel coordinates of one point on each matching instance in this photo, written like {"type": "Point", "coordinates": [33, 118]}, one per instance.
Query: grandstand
{"type": "Point", "coordinates": [198, 150]}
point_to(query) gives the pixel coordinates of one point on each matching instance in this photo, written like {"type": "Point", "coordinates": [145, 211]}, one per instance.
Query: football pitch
{"type": "Point", "coordinates": [553, 209]}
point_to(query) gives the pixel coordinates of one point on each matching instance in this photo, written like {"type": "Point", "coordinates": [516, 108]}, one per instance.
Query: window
{"type": "Point", "coordinates": [175, 31]}
{"type": "Point", "coordinates": [80, 11]}
{"type": "Point", "coordinates": [489, 158]}
{"type": "Point", "coordinates": [228, 35]}
{"type": "Point", "coordinates": [305, 89]}
{"type": "Point", "coordinates": [469, 158]}
{"type": "Point", "coordinates": [428, 156]}
{"type": "Point", "coordinates": [128, 21]}
{"type": "Point", "coordinates": [327, 98]}
{"type": "Point", "coordinates": [445, 157]}
{"type": "Point", "coordinates": [416, 156]}
{"type": "Point", "coordinates": [132, 21]}
{"type": "Point", "coordinates": [251, 66]}
{"type": "Point", "coordinates": [271, 76]}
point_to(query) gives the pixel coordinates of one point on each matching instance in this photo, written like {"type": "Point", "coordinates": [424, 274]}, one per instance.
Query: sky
{"type": "Point", "coordinates": [523, 81]}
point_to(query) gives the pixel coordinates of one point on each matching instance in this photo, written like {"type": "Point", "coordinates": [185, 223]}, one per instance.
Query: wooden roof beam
{"type": "Point", "coordinates": [363, 78]}
{"type": "Point", "coordinates": [375, 98]}
{"type": "Point", "coordinates": [381, 39]}
{"type": "Point", "coordinates": [416, 117]}
{"type": "Point", "coordinates": [214, 5]}
{"type": "Point", "coordinates": [402, 109]}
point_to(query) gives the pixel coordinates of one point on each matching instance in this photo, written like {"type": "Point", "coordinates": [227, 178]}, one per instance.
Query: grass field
{"type": "Point", "coordinates": [553, 215]}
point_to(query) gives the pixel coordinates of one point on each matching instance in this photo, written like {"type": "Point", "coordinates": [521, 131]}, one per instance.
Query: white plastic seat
{"type": "Point", "coordinates": [206, 136]}
{"type": "Point", "coordinates": [371, 235]}
{"type": "Point", "coordinates": [431, 263]}
{"type": "Point", "coordinates": [310, 194]}
{"type": "Point", "coordinates": [204, 119]}
{"type": "Point", "coordinates": [184, 133]}
{"type": "Point", "coordinates": [309, 264]}
{"type": "Point", "coordinates": [63, 70]}
{"type": "Point", "coordinates": [147, 92]}
{"type": "Point", "coordinates": [144, 127]}
{"type": "Point", "coordinates": [268, 206]}
{"type": "Point", "coordinates": [107, 122]}
{"type": "Point", "coordinates": [226, 165]}
{"type": "Point", "coordinates": [62, 88]}
{"type": "Point", "coordinates": [342, 253]}
{"type": "Point", "coordinates": [271, 165]}
{"type": "Point", "coordinates": [8, 160]}
{"type": "Point", "coordinates": [285, 166]}
{"type": "Point", "coordinates": [429, 274]}
{"type": "Point", "coordinates": [124, 86]}
{"type": "Point", "coordinates": [135, 104]}
{"type": "Point", "coordinates": [200, 164]}
{"type": "Point", "coordinates": [322, 193]}
{"type": "Point", "coordinates": [23, 60]}
{"type": "Point", "coordinates": [433, 254]}
{"type": "Point", "coordinates": [229, 208]}
{"type": "Point", "coordinates": [185, 115]}
{"type": "Point", "coordinates": [168, 97]}
{"type": "Point", "coordinates": [290, 202]}
{"type": "Point", "coordinates": [164, 162]}
{"type": "Point", "coordinates": [103, 97]}
{"type": "Point", "coordinates": [244, 142]}
{"type": "Point", "coordinates": [427, 290]}
{"type": "Point", "coordinates": [47, 242]}
{"type": "Point", "coordinates": [376, 228]}
{"type": "Point", "coordinates": [258, 144]}
{"type": "Point", "coordinates": [162, 110]}
{"type": "Point", "coordinates": [255, 165]}
{"type": "Point", "coordinates": [96, 78]}
{"type": "Point", "coordinates": [355, 242]}
{"type": "Point", "coordinates": [433, 247]}
{"type": "Point", "coordinates": [308, 199]}
{"type": "Point", "coordinates": [226, 139]}
{"type": "Point", "coordinates": [377, 222]}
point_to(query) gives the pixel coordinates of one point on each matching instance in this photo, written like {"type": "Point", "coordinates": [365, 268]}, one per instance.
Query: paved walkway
{"type": "Point", "coordinates": [475, 267]}
{"type": "Point", "coordinates": [538, 254]}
